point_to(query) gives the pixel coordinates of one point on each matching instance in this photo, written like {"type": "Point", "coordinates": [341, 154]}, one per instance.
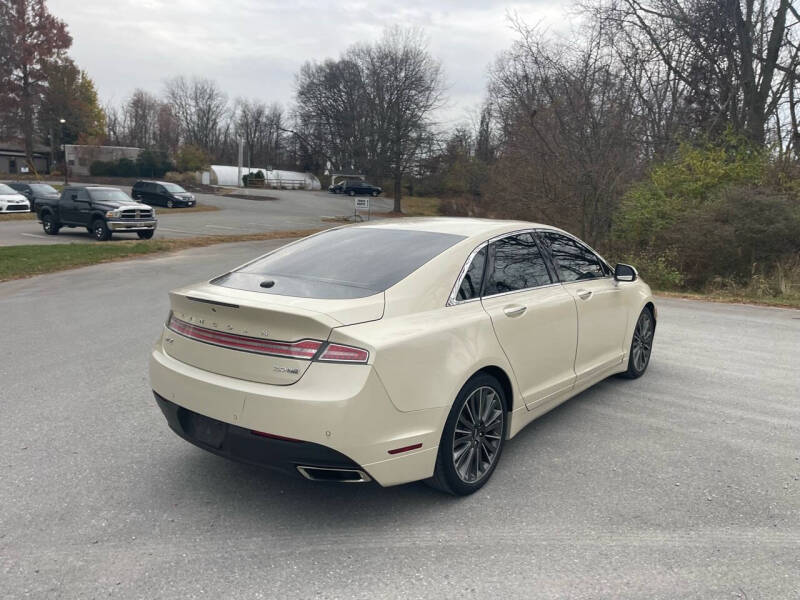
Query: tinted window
{"type": "Point", "coordinates": [109, 195]}
{"type": "Point", "coordinates": [573, 260]}
{"type": "Point", "coordinates": [342, 263]}
{"type": "Point", "coordinates": [517, 265]}
{"type": "Point", "coordinates": [43, 188]}
{"type": "Point", "coordinates": [172, 187]}
{"type": "Point", "coordinates": [471, 284]}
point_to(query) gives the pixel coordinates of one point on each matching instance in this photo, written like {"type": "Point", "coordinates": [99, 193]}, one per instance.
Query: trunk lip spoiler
{"type": "Point", "coordinates": [216, 302]}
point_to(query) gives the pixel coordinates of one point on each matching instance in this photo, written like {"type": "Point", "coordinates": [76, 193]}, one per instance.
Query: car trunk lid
{"type": "Point", "coordinates": [256, 337]}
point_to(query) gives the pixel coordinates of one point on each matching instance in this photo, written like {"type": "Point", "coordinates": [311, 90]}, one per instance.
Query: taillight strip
{"type": "Point", "coordinates": [303, 349]}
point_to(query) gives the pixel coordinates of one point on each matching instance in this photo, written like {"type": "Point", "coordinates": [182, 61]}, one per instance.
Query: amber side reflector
{"type": "Point", "coordinates": [405, 449]}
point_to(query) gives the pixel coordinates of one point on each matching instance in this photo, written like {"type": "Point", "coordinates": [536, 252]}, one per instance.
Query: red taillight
{"type": "Point", "coordinates": [342, 353]}
{"type": "Point", "coordinates": [405, 449]}
{"type": "Point", "coordinates": [304, 349]}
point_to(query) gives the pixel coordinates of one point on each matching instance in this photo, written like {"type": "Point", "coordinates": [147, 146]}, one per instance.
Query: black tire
{"type": "Point", "coordinates": [100, 230]}
{"type": "Point", "coordinates": [145, 235]}
{"type": "Point", "coordinates": [351, 193]}
{"type": "Point", "coordinates": [50, 225]}
{"type": "Point", "coordinates": [374, 193]}
{"type": "Point", "coordinates": [170, 204]}
{"type": "Point", "coordinates": [453, 475]}
{"type": "Point", "coordinates": [641, 345]}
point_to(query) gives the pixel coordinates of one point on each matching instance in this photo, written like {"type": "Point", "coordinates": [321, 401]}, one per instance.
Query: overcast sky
{"type": "Point", "coordinates": [253, 48]}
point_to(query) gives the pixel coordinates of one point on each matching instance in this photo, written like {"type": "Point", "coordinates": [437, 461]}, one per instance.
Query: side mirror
{"type": "Point", "coordinates": [623, 272]}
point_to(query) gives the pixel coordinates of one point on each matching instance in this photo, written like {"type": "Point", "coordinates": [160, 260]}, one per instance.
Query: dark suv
{"type": "Point", "coordinates": [34, 191]}
{"type": "Point", "coordinates": [102, 210]}
{"type": "Point", "coordinates": [162, 193]}
{"type": "Point", "coordinates": [357, 188]}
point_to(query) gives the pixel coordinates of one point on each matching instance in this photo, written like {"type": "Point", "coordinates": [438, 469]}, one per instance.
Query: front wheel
{"type": "Point", "coordinates": [351, 193]}
{"type": "Point", "coordinates": [100, 231]}
{"type": "Point", "coordinates": [374, 193]}
{"type": "Point", "coordinates": [50, 225]}
{"type": "Point", "coordinates": [473, 437]}
{"type": "Point", "coordinates": [145, 235]}
{"type": "Point", "coordinates": [641, 345]}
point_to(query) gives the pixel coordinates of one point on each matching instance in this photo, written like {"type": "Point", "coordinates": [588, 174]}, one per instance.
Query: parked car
{"type": "Point", "coordinates": [12, 201]}
{"type": "Point", "coordinates": [33, 191]}
{"type": "Point", "coordinates": [357, 188]}
{"type": "Point", "coordinates": [397, 352]}
{"type": "Point", "coordinates": [162, 193]}
{"type": "Point", "coordinates": [102, 210]}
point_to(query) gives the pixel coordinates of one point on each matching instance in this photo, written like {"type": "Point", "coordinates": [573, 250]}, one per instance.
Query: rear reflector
{"type": "Point", "coordinates": [405, 449]}
{"type": "Point", "coordinates": [341, 353]}
{"type": "Point", "coordinates": [303, 349]}
{"type": "Point", "coordinates": [272, 436]}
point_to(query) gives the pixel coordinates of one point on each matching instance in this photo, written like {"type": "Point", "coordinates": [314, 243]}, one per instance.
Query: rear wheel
{"type": "Point", "coordinates": [170, 204]}
{"type": "Point", "coordinates": [641, 345]}
{"type": "Point", "coordinates": [374, 193]}
{"type": "Point", "coordinates": [145, 235]}
{"type": "Point", "coordinates": [351, 193]}
{"type": "Point", "coordinates": [100, 231]}
{"type": "Point", "coordinates": [473, 437]}
{"type": "Point", "coordinates": [50, 225]}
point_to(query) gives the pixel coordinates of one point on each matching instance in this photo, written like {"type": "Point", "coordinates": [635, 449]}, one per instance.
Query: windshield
{"type": "Point", "coordinates": [105, 195]}
{"type": "Point", "coordinates": [5, 190]}
{"type": "Point", "coordinates": [43, 188]}
{"type": "Point", "coordinates": [174, 188]}
{"type": "Point", "coordinates": [353, 262]}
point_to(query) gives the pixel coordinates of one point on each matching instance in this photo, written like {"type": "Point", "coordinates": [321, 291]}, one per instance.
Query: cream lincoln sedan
{"type": "Point", "coordinates": [397, 351]}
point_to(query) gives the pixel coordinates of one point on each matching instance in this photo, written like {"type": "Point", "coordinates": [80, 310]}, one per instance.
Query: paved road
{"type": "Point", "coordinates": [683, 484]}
{"type": "Point", "coordinates": [292, 209]}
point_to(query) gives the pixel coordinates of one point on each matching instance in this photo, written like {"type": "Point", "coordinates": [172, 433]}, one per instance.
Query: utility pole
{"type": "Point", "coordinates": [64, 147]}
{"type": "Point", "coordinates": [241, 159]}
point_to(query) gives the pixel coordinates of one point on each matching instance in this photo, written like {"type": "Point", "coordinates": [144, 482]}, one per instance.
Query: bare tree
{"type": "Point", "coordinates": [200, 107]}
{"type": "Point", "coordinates": [733, 57]}
{"type": "Point", "coordinates": [371, 109]}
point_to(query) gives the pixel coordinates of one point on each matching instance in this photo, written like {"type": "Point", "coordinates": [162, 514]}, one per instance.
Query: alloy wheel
{"type": "Point", "coordinates": [642, 341]}
{"type": "Point", "coordinates": [478, 434]}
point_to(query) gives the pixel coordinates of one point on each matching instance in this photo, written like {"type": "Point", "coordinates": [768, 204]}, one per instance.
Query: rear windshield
{"type": "Point", "coordinates": [343, 263]}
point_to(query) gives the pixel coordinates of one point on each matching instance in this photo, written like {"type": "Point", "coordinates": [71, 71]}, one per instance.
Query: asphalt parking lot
{"type": "Point", "coordinates": [291, 209]}
{"type": "Point", "coordinates": [682, 484]}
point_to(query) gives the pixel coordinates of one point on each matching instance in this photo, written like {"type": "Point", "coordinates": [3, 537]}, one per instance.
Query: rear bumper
{"type": "Point", "coordinates": [342, 414]}
{"type": "Point", "coordinates": [247, 446]}
{"type": "Point", "coordinates": [131, 225]}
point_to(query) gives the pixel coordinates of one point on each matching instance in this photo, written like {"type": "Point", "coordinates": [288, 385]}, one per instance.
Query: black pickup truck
{"type": "Point", "coordinates": [102, 210]}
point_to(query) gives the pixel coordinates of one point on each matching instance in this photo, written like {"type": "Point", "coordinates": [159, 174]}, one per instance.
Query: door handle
{"type": "Point", "coordinates": [515, 310]}
{"type": "Point", "coordinates": [584, 294]}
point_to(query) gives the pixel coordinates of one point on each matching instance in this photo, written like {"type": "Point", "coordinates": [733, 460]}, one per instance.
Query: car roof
{"type": "Point", "coordinates": [465, 226]}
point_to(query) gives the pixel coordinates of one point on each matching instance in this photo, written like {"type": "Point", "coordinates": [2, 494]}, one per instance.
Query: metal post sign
{"type": "Point", "coordinates": [361, 204]}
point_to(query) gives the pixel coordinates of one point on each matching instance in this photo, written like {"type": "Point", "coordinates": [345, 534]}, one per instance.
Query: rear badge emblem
{"type": "Point", "coordinates": [287, 370]}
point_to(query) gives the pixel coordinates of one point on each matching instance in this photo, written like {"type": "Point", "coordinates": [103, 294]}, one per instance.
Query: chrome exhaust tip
{"type": "Point", "coordinates": [332, 474]}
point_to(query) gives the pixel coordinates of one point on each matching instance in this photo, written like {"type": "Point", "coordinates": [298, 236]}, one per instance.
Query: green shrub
{"type": "Point", "coordinates": [190, 158]}
{"type": "Point", "coordinates": [101, 168]}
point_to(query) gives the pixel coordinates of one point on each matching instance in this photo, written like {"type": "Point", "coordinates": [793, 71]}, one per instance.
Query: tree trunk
{"type": "Point", "coordinates": [398, 191]}
{"type": "Point", "coordinates": [27, 116]}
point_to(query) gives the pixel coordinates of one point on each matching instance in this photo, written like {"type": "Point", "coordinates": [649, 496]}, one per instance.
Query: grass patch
{"type": "Point", "coordinates": [421, 206]}
{"type": "Point", "coordinates": [18, 262]}
{"type": "Point", "coordinates": [29, 216]}
{"type": "Point", "coordinates": [784, 301]}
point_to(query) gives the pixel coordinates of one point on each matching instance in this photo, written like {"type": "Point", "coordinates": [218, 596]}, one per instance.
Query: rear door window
{"type": "Point", "coordinates": [516, 264]}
